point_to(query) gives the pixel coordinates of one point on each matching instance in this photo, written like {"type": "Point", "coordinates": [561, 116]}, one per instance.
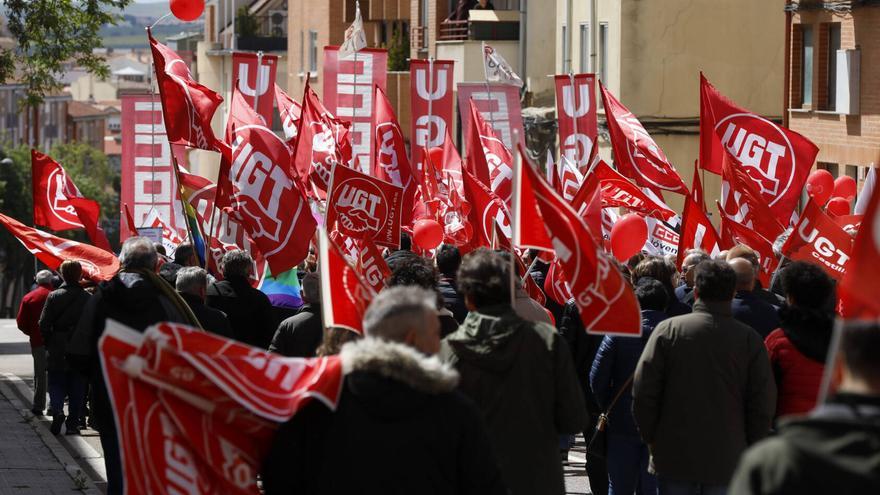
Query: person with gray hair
{"type": "Point", "coordinates": [685, 292]}
{"type": "Point", "coordinates": [28, 320]}
{"type": "Point", "coordinates": [192, 284]}
{"type": "Point", "coordinates": [137, 298]}
{"type": "Point", "coordinates": [301, 334]}
{"type": "Point", "coordinates": [249, 310]}
{"type": "Point", "coordinates": [400, 425]}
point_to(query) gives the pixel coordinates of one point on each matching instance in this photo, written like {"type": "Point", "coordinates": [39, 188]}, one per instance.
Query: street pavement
{"type": "Point", "coordinates": [33, 461]}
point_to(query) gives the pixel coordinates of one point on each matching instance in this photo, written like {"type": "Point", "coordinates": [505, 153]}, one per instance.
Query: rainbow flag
{"type": "Point", "coordinates": [188, 189]}
{"type": "Point", "coordinates": [283, 290]}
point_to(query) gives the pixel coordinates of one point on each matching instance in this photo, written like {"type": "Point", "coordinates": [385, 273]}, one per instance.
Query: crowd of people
{"type": "Point", "coordinates": [462, 383]}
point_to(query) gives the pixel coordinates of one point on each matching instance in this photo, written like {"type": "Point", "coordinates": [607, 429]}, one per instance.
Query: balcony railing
{"type": "Point", "coordinates": [267, 33]}
{"type": "Point", "coordinates": [453, 30]}
{"type": "Point", "coordinates": [482, 25]}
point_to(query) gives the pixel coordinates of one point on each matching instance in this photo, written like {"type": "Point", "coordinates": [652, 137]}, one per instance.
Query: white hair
{"type": "Point", "coordinates": [191, 280]}
{"type": "Point", "coordinates": [397, 310]}
{"type": "Point", "coordinates": [138, 252]}
{"type": "Point", "coordinates": [44, 277]}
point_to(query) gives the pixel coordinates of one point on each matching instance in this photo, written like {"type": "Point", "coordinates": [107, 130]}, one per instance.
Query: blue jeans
{"type": "Point", "coordinates": [628, 466]}
{"type": "Point", "coordinates": [70, 385]}
{"type": "Point", "coordinates": [672, 487]}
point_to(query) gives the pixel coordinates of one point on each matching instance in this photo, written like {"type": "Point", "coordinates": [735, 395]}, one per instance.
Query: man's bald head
{"type": "Point", "coordinates": [745, 274]}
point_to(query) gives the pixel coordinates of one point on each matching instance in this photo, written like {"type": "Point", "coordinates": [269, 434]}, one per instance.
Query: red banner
{"type": "Point", "coordinates": [289, 110]}
{"type": "Point", "coordinates": [97, 264]}
{"type": "Point", "coordinates": [148, 181]}
{"type": "Point", "coordinates": [617, 190]}
{"type": "Point", "coordinates": [485, 211]}
{"type": "Point", "coordinates": [348, 94]}
{"type": "Point", "coordinates": [778, 160]}
{"type": "Point", "coordinates": [859, 285]}
{"type": "Point", "coordinates": [739, 233]}
{"type": "Point", "coordinates": [576, 116]}
{"type": "Point", "coordinates": [364, 207]}
{"type": "Point", "coordinates": [498, 104]}
{"type": "Point", "coordinates": [818, 238]}
{"type": "Point", "coordinates": [321, 142]}
{"type": "Point", "coordinates": [744, 203]}
{"type": "Point", "coordinates": [255, 85]}
{"type": "Point", "coordinates": [488, 159]}
{"type": "Point", "coordinates": [555, 285]}
{"type": "Point", "coordinates": [52, 191]}
{"type": "Point", "coordinates": [367, 259]}
{"type": "Point", "coordinates": [344, 293]}
{"type": "Point", "coordinates": [697, 232]}
{"type": "Point", "coordinates": [391, 162]}
{"type": "Point", "coordinates": [431, 106]}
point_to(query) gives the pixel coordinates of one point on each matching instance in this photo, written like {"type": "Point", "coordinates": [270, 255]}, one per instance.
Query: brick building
{"type": "Point", "coordinates": [86, 124]}
{"type": "Point", "coordinates": [831, 93]}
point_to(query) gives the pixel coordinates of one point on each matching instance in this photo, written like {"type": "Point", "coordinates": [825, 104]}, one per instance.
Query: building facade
{"type": "Point", "coordinates": [86, 124]}
{"type": "Point", "coordinates": [831, 79]}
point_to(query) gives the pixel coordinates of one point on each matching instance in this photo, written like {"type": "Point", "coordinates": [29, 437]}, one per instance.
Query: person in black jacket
{"type": "Point", "coordinates": [57, 322]}
{"type": "Point", "coordinates": [192, 284]}
{"type": "Point", "coordinates": [746, 306]}
{"type": "Point", "coordinates": [301, 334]}
{"type": "Point", "coordinates": [399, 427]}
{"type": "Point", "coordinates": [420, 272]}
{"type": "Point", "coordinates": [249, 310]}
{"type": "Point", "coordinates": [448, 259]}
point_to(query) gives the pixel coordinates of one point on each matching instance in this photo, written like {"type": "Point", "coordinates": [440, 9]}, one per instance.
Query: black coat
{"type": "Point", "coordinates": [212, 320]}
{"type": "Point", "coordinates": [249, 311]}
{"type": "Point", "coordinates": [60, 316]}
{"type": "Point", "coordinates": [301, 334]}
{"type": "Point", "coordinates": [452, 299]}
{"type": "Point", "coordinates": [755, 312]}
{"type": "Point", "coordinates": [399, 428]}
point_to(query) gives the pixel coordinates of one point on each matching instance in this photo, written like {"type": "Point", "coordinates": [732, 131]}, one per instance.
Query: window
{"type": "Point", "coordinates": [585, 47]}
{"type": "Point", "coordinates": [313, 51]}
{"type": "Point", "coordinates": [566, 57]}
{"type": "Point", "coordinates": [831, 167]}
{"type": "Point", "coordinates": [853, 171]}
{"type": "Point", "coordinates": [807, 66]}
{"type": "Point", "coordinates": [603, 52]}
{"type": "Point", "coordinates": [831, 77]}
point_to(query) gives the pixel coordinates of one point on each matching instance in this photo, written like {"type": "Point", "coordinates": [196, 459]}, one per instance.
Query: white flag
{"type": "Point", "coordinates": [355, 38]}
{"type": "Point", "coordinates": [550, 170]}
{"type": "Point", "coordinates": [866, 192]}
{"type": "Point", "coordinates": [497, 69]}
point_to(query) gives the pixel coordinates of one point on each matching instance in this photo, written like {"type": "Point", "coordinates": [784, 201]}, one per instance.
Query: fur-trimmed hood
{"type": "Point", "coordinates": [400, 363]}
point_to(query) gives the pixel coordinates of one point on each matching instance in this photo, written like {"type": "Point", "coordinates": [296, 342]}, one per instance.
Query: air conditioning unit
{"type": "Point", "coordinates": [847, 102]}
{"type": "Point", "coordinates": [278, 23]}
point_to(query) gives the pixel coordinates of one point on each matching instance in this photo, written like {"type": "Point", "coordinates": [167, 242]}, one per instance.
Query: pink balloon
{"type": "Point", "coordinates": [845, 187]}
{"type": "Point", "coordinates": [187, 10]}
{"type": "Point", "coordinates": [628, 236]}
{"type": "Point", "coordinates": [427, 233]}
{"type": "Point", "coordinates": [837, 207]}
{"type": "Point", "coordinates": [820, 186]}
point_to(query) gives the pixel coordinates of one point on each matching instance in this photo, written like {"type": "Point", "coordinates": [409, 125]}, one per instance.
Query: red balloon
{"type": "Point", "coordinates": [187, 10]}
{"type": "Point", "coordinates": [845, 187]}
{"type": "Point", "coordinates": [837, 207]}
{"type": "Point", "coordinates": [628, 236]}
{"type": "Point", "coordinates": [427, 233]}
{"type": "Point", "coordinates": [820, 186]}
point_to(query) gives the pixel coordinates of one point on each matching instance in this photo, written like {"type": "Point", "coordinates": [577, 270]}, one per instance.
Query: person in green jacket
{"type": "Point", "coordinates": [519, 373]}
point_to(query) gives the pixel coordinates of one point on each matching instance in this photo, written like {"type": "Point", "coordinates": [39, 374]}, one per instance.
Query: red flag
{"type": "Point", "coordinates": [364, 207]}
{"type": "Point", "coordinates": [317, 145]}
{"type": "Point", "coordinates": [635, 152]}
{"type": "Point", "coordinates": [290, 111]}
{"type": "Point", "coordinates": [457, 228]}
{"type": "Point", "coordinates": [366, 259]}
{"type": "Point", "coordinates": [555, 285]}
{"type": "Point", "coordinates": [606, 302]}
{"type": "Point", "coordinates": [778, 160]}
{"type": "Point", "coordinates": [89, 212]}
{"type": "Point", "coordinates": [849, 221]}
{"type": "Point", "coordinates": [391, 163]}
{"type": "Point", "coordinates": [817, 238]}
{"type": "Point", "coordinates": [697, 188]}
{"type": "Point", "coordinates": [529, 230]}
{"type": "Point", "coordinates": [697, 232]}
{"type": "Point", "coordinates": [743, 203]}
{"type": "Point", "coordinates": [739, 233]}
{"type": "Point", "coordinates": [576, 110]}
{"type": "Point", "coordinates": [488, 159]}
{"type": "Point", "coordinates": [187, 106]}
{"type": "Point", "coordinates": [344, 293]}
{"type": "Point", "coordinates": [570, 179]}
{"type": "Point", "coordinates": [486, 210]}
{"type": "Point", "coordinates": [263, 197]}
{"type": "Point", "coordinates": [617, 190]}
{"type": "Point", "coordinates": [431, 105]}
{"type": "Point", "coordinates": [97, 264]}
{"type": "Point", "coordinates": [451, 161]}
{"type": "Point", "coordinates": [132, 226]}
{"type": "Point", "coordinates": [857, 290]}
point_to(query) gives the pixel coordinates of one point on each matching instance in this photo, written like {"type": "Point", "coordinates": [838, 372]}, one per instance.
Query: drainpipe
{"type": "Point", "coordinates": [594, 38]}
{"type": "Point", "coordinates": [568, 38]}
{"type": "Point", "coordinates": [523, 38]}
{"type": "Point", "coordinates": [786, 82]}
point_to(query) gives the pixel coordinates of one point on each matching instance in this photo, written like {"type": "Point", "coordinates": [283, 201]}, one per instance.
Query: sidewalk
{"type": "Point", "coordinates": [32, 461]}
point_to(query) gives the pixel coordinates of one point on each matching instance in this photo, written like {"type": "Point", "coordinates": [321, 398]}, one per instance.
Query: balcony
{"type": "Point", "coordinates": [266, 33]}
{"type": "Point", "coordinates": [482, 25]}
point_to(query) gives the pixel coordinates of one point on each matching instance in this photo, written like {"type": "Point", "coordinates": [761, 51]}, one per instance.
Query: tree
{"type": "Point", "coordinates": [398, 50]}
{"type": "Point", "coordinates": [50, 34]}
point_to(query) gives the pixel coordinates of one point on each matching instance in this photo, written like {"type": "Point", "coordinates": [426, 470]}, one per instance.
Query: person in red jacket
{"type": "Point", "coordinates": [799, 347]}
{"type": "Point", "coordinates": [28, 320]}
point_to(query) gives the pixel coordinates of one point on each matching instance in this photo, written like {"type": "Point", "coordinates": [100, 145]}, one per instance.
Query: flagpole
{"type": "Point", "coordinates": [488, 93]}
{"type": "Point", "coordinates": [182, 203]}
{"type": "Point", "coordinates": [515, 214]}
{"type": "Point", "coordinates": [430, 106]}
{"type": "Point", "coordinates": [574, 121]}
{"type": "Point", "coordinates": [257, 89]}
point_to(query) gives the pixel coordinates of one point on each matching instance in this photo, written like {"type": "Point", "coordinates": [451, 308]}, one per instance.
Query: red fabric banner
{"type": "Point", "coordinates": [260, 193]}
{"type": "Point", "coordinates": [97, 264]}
{"type": "Point", "coordinates": [348, 94]}
{"type": "Point", "coordinates": [606, 302]}
{"type": "Point", "coordinates": [617, 190]}
{"type": "Point", "coordinates": [858, 288]}
{"type": "Point", "coordinates": [289, 110]}
{"type": "Point", "coordinates": [256, 84]}
{"type": "Point", "coordinates": [485, 211]}
{"type": "Point", "coordinates": [778, 160]}
{"type": "Point", "coordinates": [431, 106]}
{"type": "Point", "coordinates": [576, 116]}
{"type": "Point", "coordinates": [697, 232]}
{"type": "Point", "coordinates": [499, 106]}
{"type": "Point", "coordinates": [344, 293]}
{"type": "Point", "coordinates": [368, 260]}
{"type": "Point", "coordinates": [148, 181]}
{"type": "Point", "coordinates": [391, 162]}
{"type": "Point", "coordinates": [743, 202]}
{"type": "Point", "coordinates": [818, 239]}
{"type": "Point", "coordinates": [555, 285]}
{"type": "Point", "coordinates": [52, 191]}
{"type": "Point", "coordinates": [636, 154]}
{"type": "Point", "coordinates": [739, 233]}
{"type": "Point", "coordinates": [488, 159]}
{"type": "Point", "coordinates": [363, 207]}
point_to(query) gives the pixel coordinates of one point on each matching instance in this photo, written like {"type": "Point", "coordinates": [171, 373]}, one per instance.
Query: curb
{"type": "Point", "coordinates": [11, 387]}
